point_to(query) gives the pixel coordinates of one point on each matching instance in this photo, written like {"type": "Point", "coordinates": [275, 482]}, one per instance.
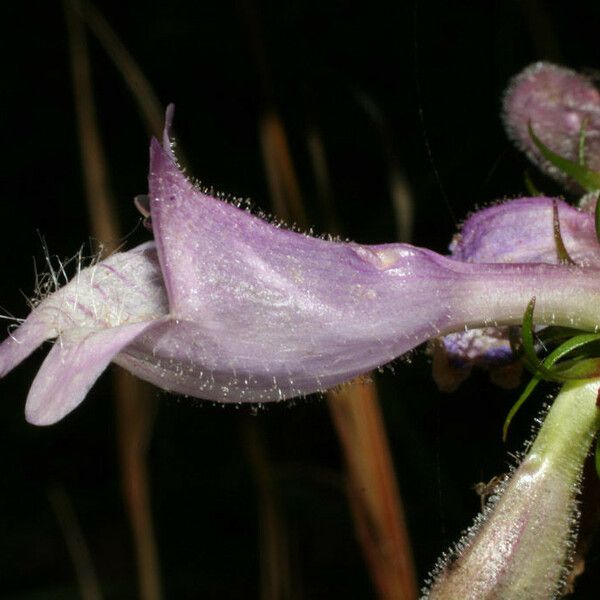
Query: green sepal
{"type": "Point", "coordinates": [517, 405]}
{"type": "Point", "coordinates": [527, 341]}
{"type": "Point", "coordinates": [561, 249]}
{"type": "Point", "coordinates": [556, 333]}
{"type": "Point", "coordinates": [589, 180]}
{"type": "Point", "coordinates": [577, 368]}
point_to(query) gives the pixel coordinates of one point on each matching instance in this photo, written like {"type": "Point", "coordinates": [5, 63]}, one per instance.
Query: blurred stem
{"type": "Point", "coordinates": [134, 405]}
{"type": "Point", "coordinates": [136, 412]}
{"type": "Point", "coordinates": [399, 189]}
{"type": "Point", "coordinates": [99, 201]}
{"type": "Point", "coordinates": [373, 490]}
{"type": "Point", "coordinates": [323, 183]}
{"type": "Point", "coordinates": [283, 183]}
{"type": "Point", "coordinates": [275, 568]}
{"type": "Point", "coordinates": [78, 549]}
{"type": "Point", "coordinates": [140, 88]}
{"type": "Point", "coordinates": [356, 414]}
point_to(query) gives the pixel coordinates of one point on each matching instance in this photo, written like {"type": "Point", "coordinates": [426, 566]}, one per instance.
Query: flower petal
{"type": "Point", "coordinates": [263, 313]}
{"type": "Point", "coordinates": [254, 312]}
{"type": "Point", "coordinates": [71, 368]}
{"type": "Point", "coordinates": [31, 334]}
{"type": "Point", "coordinates": [314, 338]}
{"type": "Point", "coordinates": [558, 102]}
{"type": "Point", "coordinates": [518, 231]}
{"type": "Point", "coordinates": [522, 231]}
{"type": "Point", "coordinates": [94, 316]}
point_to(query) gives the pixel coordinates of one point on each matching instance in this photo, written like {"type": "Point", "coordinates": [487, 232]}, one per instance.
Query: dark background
{"type": "Point", "coordinates": [436, 70]}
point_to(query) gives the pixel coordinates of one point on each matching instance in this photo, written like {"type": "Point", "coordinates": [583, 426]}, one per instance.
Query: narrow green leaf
{"type": "Point", "coordinates": [561, 249]}
{"type": "Point", "coordinates": [586, 178]}
{"type": "Point", "coordinates": [578, 368]}
{"type": "Point", "coordinates": [530, 357]}
{"type": "Point", "coordinates": [546, 370]}
{"type": "Point", "coordinates": [517, 405]}
{"type": "Point", "coordinates": [555, 333]}
{"type": "Point", "coordinates": [581, 369]}
{"type": "Point", "coordinates": [575, 343]}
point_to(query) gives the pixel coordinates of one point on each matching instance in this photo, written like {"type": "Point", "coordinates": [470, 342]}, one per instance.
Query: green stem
{"type": "Point", "coordinates": [569, 428]}
{"type": "Point", "coordinates": [520, 548]}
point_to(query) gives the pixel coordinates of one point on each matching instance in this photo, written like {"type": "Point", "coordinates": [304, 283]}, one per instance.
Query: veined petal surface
{"type": "Point", "coordinates": [517, 231]}
{"type": "Point", "coordinates": [72, 367]}
{"type": "Point", "coordinates": [522, 231]}
{"type": "Point", "coordinates": [101, 310]}
{"type": "Point", "coordinates": [276, 313]}
{"type": "Point", "coordinates": [228, 307]}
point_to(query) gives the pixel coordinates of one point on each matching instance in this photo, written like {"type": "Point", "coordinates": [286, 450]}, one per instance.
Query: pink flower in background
{"type": "Point", "coordinates": [559, 104]}
{"type": "Point", "coordinates": [522, 545]}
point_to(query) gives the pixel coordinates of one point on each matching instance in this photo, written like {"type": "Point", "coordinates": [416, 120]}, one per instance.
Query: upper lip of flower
{"type": "Point", "coordinates": [242, 310]}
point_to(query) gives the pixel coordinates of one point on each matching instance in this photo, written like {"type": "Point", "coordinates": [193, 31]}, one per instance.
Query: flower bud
{"type": "Point", "coordinates": [559, 104]}
{"type": "Point", "coordinates": [520, 547]}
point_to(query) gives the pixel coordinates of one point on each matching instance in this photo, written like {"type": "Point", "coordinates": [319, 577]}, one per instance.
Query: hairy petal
{"type": "Point", "coordinates": [366, 317]}
{"type": "Point", "coordinates": [522, 231]}
{"type": "Point", "coordinates": [228, 307]}
{"type": "Point", "coordinates": [518, 231]}
{"type": "Point", "coordinates": [33, 332]}
{"type": "Point", "coordinates": [71, 368]}
{"type": "Point", "coordinates": [275, 313]}
{"type": "Point", "coordinates": [558, 102]}
{"type": "Point", "coordinates": [126, 287]}
{"type": "Point", "coordinates": [101, 310]}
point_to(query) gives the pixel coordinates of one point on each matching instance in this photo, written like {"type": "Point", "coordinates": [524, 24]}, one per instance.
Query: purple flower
{"type": "Point", "coordinates": [563, 109]}
{"type": "Point", "coordinates": [518, 231]}
{"type": "Point", "coordinates": [559, 104]}
{"type": "Point", "coordinates": [225, 306]}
